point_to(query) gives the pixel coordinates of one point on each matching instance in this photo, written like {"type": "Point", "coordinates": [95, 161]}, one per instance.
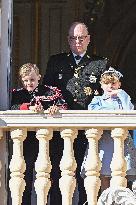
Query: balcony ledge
{"type": "Point", "coordinates": [68, 118]}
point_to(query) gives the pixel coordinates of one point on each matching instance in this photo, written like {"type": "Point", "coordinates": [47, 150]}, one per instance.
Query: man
{"type": "Point", "coordinates": [77, 74]}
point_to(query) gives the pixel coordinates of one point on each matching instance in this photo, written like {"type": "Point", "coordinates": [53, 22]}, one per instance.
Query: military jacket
{"type": "Point", "coordinates": [79, 83]}
{"type": "Point", "coordinates": [42, 94]}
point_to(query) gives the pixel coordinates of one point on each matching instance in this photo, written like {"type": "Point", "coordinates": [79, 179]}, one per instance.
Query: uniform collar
{"type": "Point", "coordinates": [79, 55]}
{"type": "Point", "coordinates": [35, 90]}
{"type": "Point", "coordinates": [85, 59]}
{"type": "Point", "coordinates": [83, 55]}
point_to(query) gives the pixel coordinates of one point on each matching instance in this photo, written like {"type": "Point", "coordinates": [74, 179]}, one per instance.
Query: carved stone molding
{"type": "Point", "coordinates": [117, 196]}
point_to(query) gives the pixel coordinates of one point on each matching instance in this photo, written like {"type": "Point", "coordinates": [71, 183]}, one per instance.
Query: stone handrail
{"type": "Point", "coordinates": [68, 123]}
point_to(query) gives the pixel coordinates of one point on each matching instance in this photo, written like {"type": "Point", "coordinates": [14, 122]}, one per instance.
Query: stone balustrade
{"type": "Point", "coordinates": [17, 123]}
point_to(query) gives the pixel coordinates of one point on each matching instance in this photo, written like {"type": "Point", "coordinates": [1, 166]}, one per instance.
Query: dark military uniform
{"type": "Point", "coordinates": [79, 83]}
{"type": "Point", "coordinates": [42, 94]}
{"type": "Point", "coordinates": [21, 100]}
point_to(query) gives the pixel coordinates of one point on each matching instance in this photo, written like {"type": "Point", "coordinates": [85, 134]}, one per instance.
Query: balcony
{"type": "Point", "coordinates": [17, 123]}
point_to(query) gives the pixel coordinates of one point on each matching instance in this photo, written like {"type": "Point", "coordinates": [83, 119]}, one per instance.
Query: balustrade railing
{"type": "Point", "coordinates": [68, 123]}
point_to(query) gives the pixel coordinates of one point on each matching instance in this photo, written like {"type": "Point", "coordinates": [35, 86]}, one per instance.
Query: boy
{"type": "Point", "coordinates": [36, 97]}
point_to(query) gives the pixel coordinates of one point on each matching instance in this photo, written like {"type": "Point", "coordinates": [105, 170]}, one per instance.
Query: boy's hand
{"type": "Point", "coordinates": [53, 109]}
{"type": "Point", "coordinates": [36, 108]}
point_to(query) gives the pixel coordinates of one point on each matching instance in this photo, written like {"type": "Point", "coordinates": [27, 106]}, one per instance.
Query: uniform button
{"type": "Point", "coordinates": [76, 91]}
{"type": "Point", "coordinates": [76, 83]}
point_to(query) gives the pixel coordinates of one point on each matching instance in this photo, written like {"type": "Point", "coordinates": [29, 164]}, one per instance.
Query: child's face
{"type": "Point", "coordinates": [109, 87]}
{"type": "Point", "coordinates": [30, 81]}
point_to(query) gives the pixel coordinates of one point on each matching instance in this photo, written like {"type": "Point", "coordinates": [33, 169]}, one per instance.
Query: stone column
{"type": "Point", "coordinates": [43, 166]}
{"type": "Point", "coordinates": [118, 164]}
{"type": "Point", "coordinates": [67, 182]}
{"type": "Point", "coordinates": [92, 166]}
{"type": "Point", "coordinates": [1, 135]}
{"type": "Point", "coordinates": [17, 166]}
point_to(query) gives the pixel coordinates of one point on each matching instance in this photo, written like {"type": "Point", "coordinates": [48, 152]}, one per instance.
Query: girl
{"type": "Point", "coordinates": [113, 98]}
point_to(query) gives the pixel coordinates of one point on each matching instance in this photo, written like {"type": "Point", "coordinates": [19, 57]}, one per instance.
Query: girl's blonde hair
{"type": "Point", "coordinates": [27, 68]}
{"type": "Point", "coordinates": [109, 78]}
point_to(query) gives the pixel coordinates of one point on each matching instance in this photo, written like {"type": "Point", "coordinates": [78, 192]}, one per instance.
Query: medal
{"type": "Point", "coordinates": [60, 76]}
{"type": "Point", "coordinates": [76, 75]}
{"type": "Point", "coordinates": [92, 79]}
{"type": "Point", "coordinates": [76, 72]}
{"type": "Point", "coordinates": [88, 90]}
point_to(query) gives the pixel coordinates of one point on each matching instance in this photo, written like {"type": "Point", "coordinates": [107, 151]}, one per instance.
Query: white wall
{"type": "Point", "coordinates": [5, 53]}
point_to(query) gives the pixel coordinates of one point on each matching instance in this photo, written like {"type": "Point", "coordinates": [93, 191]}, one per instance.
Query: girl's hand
{"type": "Point", "coordinates": [53, 109]}
{"type": "Point", "coordinates": [113, 93]}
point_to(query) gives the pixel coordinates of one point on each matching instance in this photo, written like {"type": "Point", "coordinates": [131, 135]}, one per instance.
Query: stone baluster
{"type": "Point", "coordinates": [1, 135]}
{"type": "Point", "coordinates": [118, 164]}
{"type": "Point", "coordinates": [43, 166]}
{"type": "Point", "coordinates": [92, 166]}
{"type": "Point", "coordinates": [17, 166]}
{"type": "Point", "coordinates": [67, 182]}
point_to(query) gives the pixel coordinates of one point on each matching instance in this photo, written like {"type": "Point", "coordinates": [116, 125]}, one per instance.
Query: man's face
{"type": "Point", "coordinates": [78, 39]}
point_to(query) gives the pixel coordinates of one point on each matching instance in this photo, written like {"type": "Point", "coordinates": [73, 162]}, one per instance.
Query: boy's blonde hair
{"type": "Point", "coordinates": [109, 78]}
{"type": "Point", "coordinates": [27, 68]}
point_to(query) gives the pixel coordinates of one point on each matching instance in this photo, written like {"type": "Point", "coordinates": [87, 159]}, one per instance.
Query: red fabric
{"type": "Point", "coordinates": [24, 106]}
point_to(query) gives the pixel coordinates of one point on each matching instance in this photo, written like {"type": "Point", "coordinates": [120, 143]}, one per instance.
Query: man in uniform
{"type": "Point", "coordinates": [77, 74]}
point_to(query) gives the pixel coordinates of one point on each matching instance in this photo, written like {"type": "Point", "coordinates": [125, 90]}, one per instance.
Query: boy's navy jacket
{"type": "Point", "coordinates": [42, 94]}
